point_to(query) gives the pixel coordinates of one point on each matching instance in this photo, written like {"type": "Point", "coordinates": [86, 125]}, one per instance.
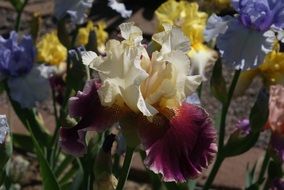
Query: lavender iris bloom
{"type": "Point", "coordinates": [16, 57]}
{"type": "Point", "coordinates": [75, 8]}
{"type": "Point", "coordinates": [244, 40]}
{"type": "Point", "coordinates": [26, 82]}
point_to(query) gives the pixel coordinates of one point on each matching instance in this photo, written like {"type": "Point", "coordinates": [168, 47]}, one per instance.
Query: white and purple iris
{"type": "Point", "coordinates": [75, 8]}
{"type": "Point", "coordinates": [245, 39]}
{"type": "Point", "coordinates": [25, 81]}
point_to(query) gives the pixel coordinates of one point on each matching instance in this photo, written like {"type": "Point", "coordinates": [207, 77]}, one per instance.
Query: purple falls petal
{"type": "Point", "coordinates": [242, 47]}
{"type": "Point", "coordinates": [87, 106]}
{"type": "Point", "coordinates": [180, 148]}
{"type": "Point", "coordinates": [29, 89]}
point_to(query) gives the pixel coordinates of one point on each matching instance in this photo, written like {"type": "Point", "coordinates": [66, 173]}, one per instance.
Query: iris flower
{"type": "Point", "coordinates": [50, 50]}
{"type": "Point", "coordinates": [146, 94]}
{"type": "Point", "coordinates": [99, 29]}
{"type": "Point", "coordinates": [75, 8]}
{"type": "Point", "coordinates": [25, 80]}
{"type": "Point", "coordinates": [245, 39]}
{"type": "Point", "coordinates": [192, 22]}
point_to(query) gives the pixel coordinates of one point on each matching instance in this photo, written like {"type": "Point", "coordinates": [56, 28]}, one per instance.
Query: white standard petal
{"type": "Point", "coordinates": [120, 8]}
{"type": "Point", "coordinates": [172, 39]}
{"type": "Point", "coordinates": [121, 74]}
{"type": "Point", "coordinates": [29, 89]}
{"type": "Point", "coordinates": [131, 32]}
{"type": "Point", "coordinates": [88, 57]}
{"type": "Point", "coordinates": [185, 84]}
{"type": "Point", "coordinates": [216, 25]}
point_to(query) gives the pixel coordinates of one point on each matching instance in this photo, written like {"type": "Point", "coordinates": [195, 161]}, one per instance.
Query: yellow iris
{"type": "Point", "coordinates": [272, 70]}
{"type": "Point", "coordinates": [192, 22]}
{"type": "Point", "coordinates": [101, 34]}
{"type": "Point", "coordinates": [50, 50]}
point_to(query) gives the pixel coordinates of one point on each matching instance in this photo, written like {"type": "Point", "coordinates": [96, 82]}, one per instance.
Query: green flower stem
{"type": "Point", "coordinates": [125, 168]}
{"type": "Point", "coordinates": [19, 15]}
{"type": "Point", "coordinates": [220, 158]}
{"type": "Point", "coordinates": [225, 109]}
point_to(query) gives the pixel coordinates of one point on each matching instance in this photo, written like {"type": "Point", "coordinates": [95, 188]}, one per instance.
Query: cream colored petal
{"type": "Point", "coordinates": [185, 84]}
{"type": "Point", "coordinates": [202, 60]}
{"type": "Point", "coordinates": [131, 32]}
{"type": "Point", "coordinates": [88, 57]}
{"type": "Point", "coordinates": [172, 39]}
{"type": "Point", "coordinates": [121, 74]}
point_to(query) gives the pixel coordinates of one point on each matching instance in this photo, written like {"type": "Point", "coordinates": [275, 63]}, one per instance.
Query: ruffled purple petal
{"type": "Point", "coordinates": [85, 105]}
{"type": "Point", "coordinates": [242, 47]}
{"type": "Point", "coordinates": [180, 148]}
{"type": "Point", "coordinates": [16, 56]}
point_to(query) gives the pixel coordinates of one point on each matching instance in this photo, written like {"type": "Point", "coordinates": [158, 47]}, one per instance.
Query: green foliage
{"type": "Point", "coordinates": [48, 177]}
{"type": "Point", "coordinates": [237, 143]}
{"type": "Point", "coordinates": [218, 83]}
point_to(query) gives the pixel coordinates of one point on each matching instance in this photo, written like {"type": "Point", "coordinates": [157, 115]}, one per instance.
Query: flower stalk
{"type": "Point", "coordinates": [125, 168]}
{"type": "Point", "coordinates": [220, 158]}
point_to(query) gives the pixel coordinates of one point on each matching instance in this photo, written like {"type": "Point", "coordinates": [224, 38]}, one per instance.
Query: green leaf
{"type": "Point", "coordinates": [92, 44]}
{"type": "Point", "coordinates": [218, 83]}
{"type": "Point", "coordinates": [274, 170]}
{"type": "Point", "coordinates": [62, 33]}
{"type": "Point", "coordinates": [77, 76]}
{"type": "Point", "coordinates": [237, 143]}
{"type": "Point", "coordinates": [48, 177]}
{"type": "Point", "coordinates": [259, 112]}
{"type": "Point", "coordinates": [23, 142]}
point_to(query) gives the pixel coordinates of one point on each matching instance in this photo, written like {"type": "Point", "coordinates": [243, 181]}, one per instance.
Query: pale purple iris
{"type": "Point", "coordinates": [178, 148]}
{"type": "Point", "coordinates": [244, 40]}
{"type": "Point", "coordinates": [260, 14]}
{"type": "Point", "coordinates": [16, 56]}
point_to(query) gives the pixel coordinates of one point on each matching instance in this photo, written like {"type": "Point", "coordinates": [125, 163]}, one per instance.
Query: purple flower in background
{"type": "Point", "coordinates": [16, 56]}
{"type": "Point", "coordinates": [244, 40]}
{"type": "Point", "coordinates": [75, 8]}
{"type": "Point", "coordinates": [260, 14]}
{"type": "Point", "coordinates": [244, 126]}
{"type": "Point", "coordinates": [26, 82]}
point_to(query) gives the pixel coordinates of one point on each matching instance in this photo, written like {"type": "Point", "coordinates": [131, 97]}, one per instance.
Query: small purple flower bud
{"type": "Point", "coordinates": [244, 126]}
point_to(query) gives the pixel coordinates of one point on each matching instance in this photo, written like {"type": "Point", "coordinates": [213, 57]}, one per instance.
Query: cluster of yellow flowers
{"type": "Point", "coordinates": [51, 51]}
{"type": "Point", "coordinates": [192, 22]}
{"type": "Point", "coordinates": [99, 29]}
